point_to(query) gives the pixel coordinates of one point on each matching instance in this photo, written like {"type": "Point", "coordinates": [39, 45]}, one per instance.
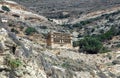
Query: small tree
{"type": "Point", "coordinates": [109, 34]}
{"type": "Point", "coordinates": [30, 30]}
{"type": "Point", "coordinates": [5, 8]}
{"type": "Point", "coordinates": [90, 45]}
{"type": "Point", "coordinates": [14, 63]}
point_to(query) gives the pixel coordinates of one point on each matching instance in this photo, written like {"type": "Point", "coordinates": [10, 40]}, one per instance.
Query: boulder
{"type": "Point", "coordinates": [18, 73]}
{"type": "Point", "coordinates": [116, 62]}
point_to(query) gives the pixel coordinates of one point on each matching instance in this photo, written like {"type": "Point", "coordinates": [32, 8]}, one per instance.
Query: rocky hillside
{"type": "Point", "coordinates": [74, 8]}
{"type": "Point", "coordinates": [32, 60]}
{"type": "Point", "coordinates": [21, 14]}
{"type": "Point", "coordinates": [70, 10]}
{"type": "Point", "coordinates": [24, 54]}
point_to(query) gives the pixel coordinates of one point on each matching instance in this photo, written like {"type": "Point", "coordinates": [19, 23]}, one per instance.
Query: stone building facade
{"type": "Point", "coordinates": [59, 40]}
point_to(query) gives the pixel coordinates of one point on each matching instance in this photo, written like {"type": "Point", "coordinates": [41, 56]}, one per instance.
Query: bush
{"type": "Point", "coordinates": [75, 43]}
{"type": "Point", "coordinates": [66, 65]}
{"type": "Point", "coordinates": [30, 30]}
{"type": "Point", "coordinates": [90, 45]}
{"type": "Point", "coordinates": [93, 44]}
{"type": "Point", "coordinates": [107, 35]}
{"type": "Point", "coordinates": [14, 63]}
{"type": "Point", "coordinates": [5, 8]}
{"type": "Point", "coordinates": [85, 22]}
{"type": "Point", "coordinates": [21, 28]}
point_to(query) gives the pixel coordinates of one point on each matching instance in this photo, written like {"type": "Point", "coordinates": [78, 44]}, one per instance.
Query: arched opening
{"type": "Point", "coordinates": [14, 49]}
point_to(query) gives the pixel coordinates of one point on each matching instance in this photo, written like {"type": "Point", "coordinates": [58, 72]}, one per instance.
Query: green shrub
{"type": "Point", "coordinates": [75, 43]}
{"type": "Point", "coordinates": [85, 22]}
{"type": "Point", "coordinates": [15, 63]}
{"type": "Point", "coordinates": [107, 35]}
{"type": "Point", "coordinates": [90, 45]}
{"type": "Point", "coordinates": [30, 30]}
{"type": "Point", "coordinates": [5, 8]}
{"type": "Point", "coordinates": [66, 64]}
{"type": "Point", "coordinates": [93, 44]}
{"type": "Point", "coordinates": [118, 45]}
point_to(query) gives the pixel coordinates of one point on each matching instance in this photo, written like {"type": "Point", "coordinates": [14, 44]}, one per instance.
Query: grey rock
{"type": "Point", "coordinates": [116, 62]}
{"type": "Point", "coordinates": [18, 73]}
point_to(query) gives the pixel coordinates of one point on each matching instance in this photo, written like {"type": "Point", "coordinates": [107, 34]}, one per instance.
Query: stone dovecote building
{"type": "Point", "coordinates": [59, 40]}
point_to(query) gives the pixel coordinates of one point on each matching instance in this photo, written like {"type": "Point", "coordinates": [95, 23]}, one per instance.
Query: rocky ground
{"type": "Point", "coordinates": [21, 57]}
{"type": "Point", "coordinates": [45, 63]}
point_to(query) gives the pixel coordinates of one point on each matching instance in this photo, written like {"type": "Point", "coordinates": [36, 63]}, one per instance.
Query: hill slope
{"type": "Point", "coordinates": [21, 57]}
{"type": "Point", "coordinates": [73, 7]}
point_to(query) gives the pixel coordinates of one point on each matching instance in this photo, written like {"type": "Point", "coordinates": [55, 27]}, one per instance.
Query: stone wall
{"type": "Point", "coordinates": [59, 40]}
